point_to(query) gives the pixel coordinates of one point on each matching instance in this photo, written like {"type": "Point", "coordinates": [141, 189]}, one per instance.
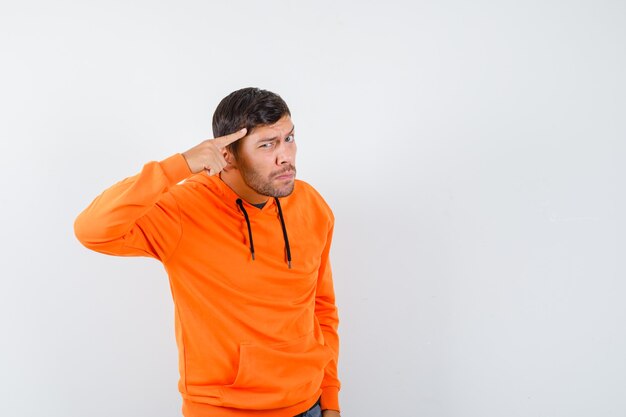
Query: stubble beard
{"type": "Point", "coordinates": [265, 186]}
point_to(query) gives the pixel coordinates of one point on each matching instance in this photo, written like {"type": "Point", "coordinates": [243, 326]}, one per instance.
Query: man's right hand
{"type": "Point", "coordinates": [209, 154]}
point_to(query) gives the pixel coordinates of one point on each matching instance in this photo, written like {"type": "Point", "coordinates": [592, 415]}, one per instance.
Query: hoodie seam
{"type": "Point", "coordinates": [180, 237]}
{"type": "Point", "coordinates": [182, 347]}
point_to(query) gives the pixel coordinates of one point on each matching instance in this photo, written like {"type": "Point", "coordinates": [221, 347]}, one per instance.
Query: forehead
{"type": "Point", "coordinates": [281, 128]}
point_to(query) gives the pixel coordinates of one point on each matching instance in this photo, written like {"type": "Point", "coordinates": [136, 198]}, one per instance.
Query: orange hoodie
{"type": "Point", "coordinates": [255, 337]}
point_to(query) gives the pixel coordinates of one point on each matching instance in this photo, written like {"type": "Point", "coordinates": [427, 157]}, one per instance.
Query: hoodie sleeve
{"type": "Point", "coordinates": [326, 312]}
{"type": "Point", "coordinates": [137, 216]}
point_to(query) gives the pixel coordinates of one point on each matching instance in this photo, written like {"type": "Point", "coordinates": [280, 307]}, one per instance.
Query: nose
{"type": "Point", "coordinates": [284, 155]}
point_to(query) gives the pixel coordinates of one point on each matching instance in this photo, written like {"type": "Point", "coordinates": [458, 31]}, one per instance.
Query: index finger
{"type": "Point", "coordinates": [226, 140]}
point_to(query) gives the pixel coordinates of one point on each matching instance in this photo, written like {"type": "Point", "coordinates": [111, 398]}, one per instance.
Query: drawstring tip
{"type": "Point", "coordinates": [289, 263]}
{"type": "Point", "coordinates": [253, 256]}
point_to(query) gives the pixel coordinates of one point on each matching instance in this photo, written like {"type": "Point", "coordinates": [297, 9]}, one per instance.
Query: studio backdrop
{"type": "Point", "coordinates": [472, 153]}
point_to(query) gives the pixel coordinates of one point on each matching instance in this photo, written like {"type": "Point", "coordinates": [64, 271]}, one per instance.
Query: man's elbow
{"type": "Point", "coordinates": [89, 233]}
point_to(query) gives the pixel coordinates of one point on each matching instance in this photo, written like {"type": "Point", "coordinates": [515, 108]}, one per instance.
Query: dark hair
{"type": "Point", "coordinates": [249, 107]}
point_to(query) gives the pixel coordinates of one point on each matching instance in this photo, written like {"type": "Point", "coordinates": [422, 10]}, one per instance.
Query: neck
{"type": "Point", "coordinates": [233, 179]}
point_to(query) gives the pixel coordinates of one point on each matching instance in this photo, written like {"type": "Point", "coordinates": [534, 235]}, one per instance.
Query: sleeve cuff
{"type": "Point", "coordinates": [330, 398]}
{"type": "Point", "coordinates": [175, 168]}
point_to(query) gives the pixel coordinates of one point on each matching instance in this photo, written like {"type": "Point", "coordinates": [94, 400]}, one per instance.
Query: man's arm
{"type": "Point", "coordinates": [138, 216]}
{"type": "Point", "coordinates": [326, 313]}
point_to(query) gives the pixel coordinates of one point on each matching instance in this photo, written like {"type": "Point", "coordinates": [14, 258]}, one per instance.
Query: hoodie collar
{"type": "Point", "coordinates": [231, 197]}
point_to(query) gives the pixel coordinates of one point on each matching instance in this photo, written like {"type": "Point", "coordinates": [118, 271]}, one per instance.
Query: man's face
{"type": "Point", "coordinates": [266, 158]}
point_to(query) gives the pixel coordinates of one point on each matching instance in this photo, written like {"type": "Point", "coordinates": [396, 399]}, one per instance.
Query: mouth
{"type": "Point", "coordinates": [286, 176]}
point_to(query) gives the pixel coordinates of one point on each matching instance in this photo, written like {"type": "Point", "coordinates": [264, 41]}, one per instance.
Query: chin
{"type": "Point", "coordinates": [284, 192]}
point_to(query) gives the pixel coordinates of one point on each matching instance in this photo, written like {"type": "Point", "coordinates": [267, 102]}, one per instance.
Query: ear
{"type": "Point", "coordinates": [230, 158]}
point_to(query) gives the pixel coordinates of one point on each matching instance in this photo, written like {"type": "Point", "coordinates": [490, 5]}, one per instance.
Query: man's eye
{"type": "Point", "coordinates": [266, 145]}
{"type": "Point", "coordinates": [290, 138]}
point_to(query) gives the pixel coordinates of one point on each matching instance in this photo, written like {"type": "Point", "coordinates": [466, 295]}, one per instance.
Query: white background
{"type": "Point", "coordinates": [473, 153]}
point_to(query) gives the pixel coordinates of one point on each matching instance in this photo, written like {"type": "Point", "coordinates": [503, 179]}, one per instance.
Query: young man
{"type": "Point", "coordinates": [246, 247]}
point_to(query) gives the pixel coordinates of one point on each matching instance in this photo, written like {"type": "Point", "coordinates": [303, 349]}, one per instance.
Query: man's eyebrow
{"type": "Point", "coordinates": [276, 137]}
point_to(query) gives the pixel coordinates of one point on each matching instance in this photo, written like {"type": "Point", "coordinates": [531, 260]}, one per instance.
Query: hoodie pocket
{"type": "Point", "coordinates": [277, 376]}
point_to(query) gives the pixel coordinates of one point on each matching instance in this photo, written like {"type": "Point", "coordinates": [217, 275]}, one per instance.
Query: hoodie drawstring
{"type": "Point", "coordinates": [282, 223]}
{"type": "Point", "coordinates": [245, 214]}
